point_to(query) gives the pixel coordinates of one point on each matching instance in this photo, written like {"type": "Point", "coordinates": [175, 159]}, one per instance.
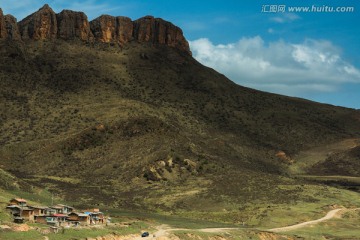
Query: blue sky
{"type": "Point", "coordinates": [313, 55]}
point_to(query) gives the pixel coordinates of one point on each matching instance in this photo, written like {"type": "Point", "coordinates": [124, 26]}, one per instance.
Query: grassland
{"type": "Point", "coordinates": [101, 126]}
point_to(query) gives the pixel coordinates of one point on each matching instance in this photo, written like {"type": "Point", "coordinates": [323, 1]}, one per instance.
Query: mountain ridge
{"type": "Point", "coordinates": [45, 24]}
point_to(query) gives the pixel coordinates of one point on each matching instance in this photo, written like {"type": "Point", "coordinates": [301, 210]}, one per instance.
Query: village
{"type": "Point", "coordinates": [56, 216]}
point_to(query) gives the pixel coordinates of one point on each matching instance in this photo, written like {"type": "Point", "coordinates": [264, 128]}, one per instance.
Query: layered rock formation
{"type": "Point", "coordinates": [156, 30]}
{"type": "Point", "coordinates": [72, 25]}
{"type": "Point", "coordinates": [45, 24]}
{"type": "Point", "coordinates": [112, 29]}
{"type": "Point", "coordinates": [147, 29]}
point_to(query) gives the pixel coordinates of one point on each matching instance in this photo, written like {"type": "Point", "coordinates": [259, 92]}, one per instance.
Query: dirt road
{"type": "Point", "coordinates": [164, 232]}
{"type": "Point", "coordinates": [328, 216]}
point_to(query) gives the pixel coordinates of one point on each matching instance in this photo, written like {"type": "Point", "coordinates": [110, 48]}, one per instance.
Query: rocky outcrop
{"type": "Point", "coordinates": [73, 25]}
{"type": "Point", "coordinates": [159, 31]}
{"type": "Point", "coordinates": [67, 25]}
{"type": "Point", "coordinates": [41, 25]}
{"type": "Point", "coordinates": [12, 28]}
{"type": "Point", "coordinates": [3, 32]}
{"type": "Point", "coordinates": [112, 29]}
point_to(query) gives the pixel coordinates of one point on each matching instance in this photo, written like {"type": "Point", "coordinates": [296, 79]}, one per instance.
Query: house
{"type": "Point", "coordinates": [14, 210]}
{"type": "Point", "coordinates": [56, 209]}
{"type": "Point", "coordinates": [39, 210]}
{"type": "Point", "coordinates": [64, 209]}
{"type": "Point", "coordinates": [50, 211]}
{"type": "Point", "coordinates": [53, 220]}
{"type": "Point", "coordinates": [18, 201]}
{"type": "Point", "coordinates": [97, 218]}
{"type": "Point", "coordinates": [27, 213]}
{"type": "Point", "coordinates": [82, 218]}
{"type": "Point", "coordinates": [59, 219]}
{"type": "Point", "coordinates": [41, 219]}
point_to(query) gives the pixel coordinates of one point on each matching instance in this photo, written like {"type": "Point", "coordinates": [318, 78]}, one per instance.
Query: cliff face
{"type": "Point", "coordinates": [73, 25]}
{"type": "Point", "coordinates": [40, 25]}
{"type": "Point", "coordinates": [45, 24]}
{"type": "Point", "coordinates": [112, 29]}
{"type": "Point", "coordinates": [3, 32]}
{"type": "Point", "coordinates": [156, 30]}
{"type": "Point", "coordinates": [12, 28]}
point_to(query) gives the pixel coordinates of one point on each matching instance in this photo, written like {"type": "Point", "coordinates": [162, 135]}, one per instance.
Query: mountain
{"type": "Point", "coordinates": [117, 113]}
{"type": "Point", "coordinates": [45, 24]}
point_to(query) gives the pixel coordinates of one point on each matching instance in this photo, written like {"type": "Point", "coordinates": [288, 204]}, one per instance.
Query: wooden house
{"type": "Point", "coordinates": [56, 209]}
{"type": "Point", "coordinates": [53, 220]}
{"type": "Point", "coordinates": [18, 201]}
{"type": "Point", "coordinates": [97, 218]}
{"type": "Point", "coordinates": [27, 213]}
{"type": "Point", "coordinates": [41, 219]}
{"type": "Point", "coordinates": [82, 218]}
{"type": "Point", "coordinates": [60, 219]}
{"type": "Point", "coordinates": [63, 209]}
{"type": "Point", "coordinates": [39, 210]}
{"type": "Point", "coordinates": [50, 211]}
{"type": "Point", "coordinates": [14, 210]}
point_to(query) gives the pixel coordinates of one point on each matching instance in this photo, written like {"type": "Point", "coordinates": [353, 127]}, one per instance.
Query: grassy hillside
{"type": "Point", "coordinates": [145, 127]}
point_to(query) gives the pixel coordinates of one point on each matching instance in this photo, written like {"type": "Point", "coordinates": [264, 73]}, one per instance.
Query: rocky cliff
{"type": "Point", "coordinates": [40, 25]}
{"type": "Point", "coordinates": [156, 30]}
{"type": "Point", "coordinates": [45, 24]}
{"type": "Point", "coordinates": [73, 25]}
{"type": "Point", "coordinates": [112, 29]}
{"type": "Point", "coordinates": [3, 32]}
{"type": "Point", "coordinates": [12, 28]}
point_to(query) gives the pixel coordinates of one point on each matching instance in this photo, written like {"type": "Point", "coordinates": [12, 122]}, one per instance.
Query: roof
{"type": "Point", "coordinates": [96, 213]}
{"type": "Point", "coordinates": [56, 207]}
{"type": "Point", "coordinates": [27, 209]}
{"type": "Point", "coordinates": [62, 205]}
{"type": "Point", "coordinates": [13, 206]}
{"type": "Point", "coordinates": [60, 215]}
{"type": "Point", "coordinates": [18, 199]}
{"type": "Point", "coordinates": [83, 215]}
{"type": "Point", "coordinates": [39, 207]}
{"type": "Point", "coordinates": [79, 214]}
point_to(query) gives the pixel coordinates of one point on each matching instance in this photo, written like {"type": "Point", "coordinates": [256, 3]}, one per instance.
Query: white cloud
{"type": "Point", "coordinates": [270, 30]}
{"type": "Point", "coordinates": [281, 67]}
{"type": "Point", "coordinates": [285, 18]}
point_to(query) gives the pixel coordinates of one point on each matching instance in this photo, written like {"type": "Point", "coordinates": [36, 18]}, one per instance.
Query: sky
{"type": "Point", "coordinates": [312, 51]}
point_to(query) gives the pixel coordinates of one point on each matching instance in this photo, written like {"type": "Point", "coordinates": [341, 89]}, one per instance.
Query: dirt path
{"type": "Point", "coordinates": [328, 216]}
{"type": "Point", "coordinates": [164, 232]}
